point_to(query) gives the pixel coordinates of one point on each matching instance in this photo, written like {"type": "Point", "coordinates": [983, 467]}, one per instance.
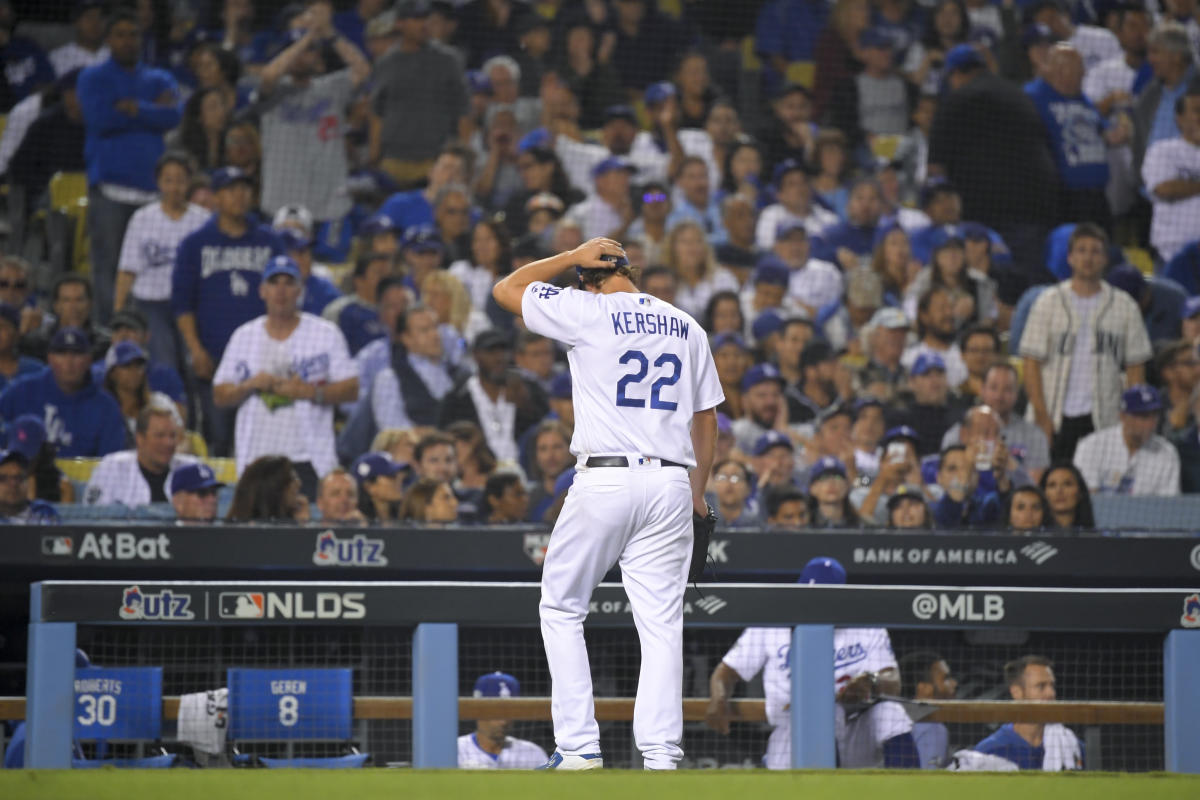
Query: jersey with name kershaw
{"type": "Point", "coordinates": [640, 368]}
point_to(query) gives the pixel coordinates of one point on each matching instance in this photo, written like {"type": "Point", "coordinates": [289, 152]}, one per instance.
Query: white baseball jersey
{"type": "Point", "coordinates": [855, 651]}
{"type": "Point", "coordinates": [1108, 466]}
{"type": "Point", "coordinates": [148, 250]}
{"type": "Point", "coordinates": [301, 430]}
{"type": "Point", "coordinates": [1174, 224]}
{"type": "Point", "coordinates": [517, 754]}
{"type": "Point", "coordinates": [118, 479]}
{"type": "Point", "coordinates": [640, 368]}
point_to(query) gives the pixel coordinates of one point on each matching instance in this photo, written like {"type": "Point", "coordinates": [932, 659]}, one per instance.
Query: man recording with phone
{"type": "Point", "coordinates": [977, 474]}
{"type": "Point", "coordinates": [898, 466]}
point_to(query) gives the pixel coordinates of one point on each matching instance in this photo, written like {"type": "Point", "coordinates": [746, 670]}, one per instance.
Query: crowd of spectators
{"type": "Point", "coordinates": [907, 229]}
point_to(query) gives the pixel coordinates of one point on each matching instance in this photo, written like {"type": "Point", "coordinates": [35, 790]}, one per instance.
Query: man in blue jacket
{"type": "Point", "coordinates": [127, 108]}
{"type": "Point", "coordinates": [214, 289]}
{"type": "Point", "coordinates": [81, 420]}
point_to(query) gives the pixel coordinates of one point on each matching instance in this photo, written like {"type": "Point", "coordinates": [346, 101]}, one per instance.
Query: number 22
{"type": "Point", "coordinates": [643, 367]}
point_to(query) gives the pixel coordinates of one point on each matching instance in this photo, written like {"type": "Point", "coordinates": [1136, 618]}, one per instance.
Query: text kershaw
{"type": "Point", "coordinates": [628, 322]}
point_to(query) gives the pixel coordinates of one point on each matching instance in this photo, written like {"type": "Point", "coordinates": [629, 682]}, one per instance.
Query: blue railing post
{"type": "Point", "coordinates": [811, 662]}
{"type": "Point", "coordinates": [1181, 701]}
{"type": "Point", "coordinates": [435, 696]}
{"type": "Point", "coordinates": [49, 689]}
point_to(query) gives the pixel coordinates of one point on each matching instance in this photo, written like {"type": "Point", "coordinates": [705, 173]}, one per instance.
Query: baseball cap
{"type": "Point", "coordinates": [70, 340]}
{"type": "Point", "coordinates": [544, 201]}
{"type": "Point", "coordinates": [900, 433]}
{"type": "Point", "coordinates": [294, 240]}
{"type": "Point", "coordinates": [823, 569]}
{"type": "Point", "coordinates": [122, 354]}
{"type": "Point", "coordinates": [1191, 307]}
{"type": "Point", "coordinates": [1037, 33]}
{"type": "Point", "coordinates": [26, 435]}
{"type": "Point", "coordinates": [974, 231]}
{"type": "Point", "coordinates": [889, 317]}
{"type": "Point", "coordinates": [728, 337]}
{"type": "Point", "coordinates": [560, 386]}
{"type": "Point", "coordinates": [825, 466]}
{"type": "Point", "coordinates": [659, 92]}
{"type": "Point", "coordinates": [12, 314]}
{"type": "Point", "coordinates": [962, 57]}
{"type": "Point", "coordinates": [422, 239]}
{"type": "Point", "coordinates": [724, 423]}
{"type": "Point", "coordinates": [281, 265]}
{"type": "Point", "coordinates": [376, 224]}
{"type": "Point", "coordinates": [612, 163]}
{"type": "Point", "coordinates": [1128, 279]}
{"type": "Point", "coordinates": [227, 176]}
{"type": "Point", "coordinates": [926, 362]}
{"type": "Point", "coordinates": [886, 226]}
{"type": "Point", "coordinates": [411, 9]}
{"type": "Point", "coordinates": [497, 684]}
{"type": "Point", "coordinates": [865, 401]}
{"type": "Point", "coordinates": [194, 478]}
{"type": "Point", "coordinates": [492, 339]}
{"type": "Point", "coordinates": [766, 323]}
{"type": "Point", "coordinates": [788, 227]}
{"type": "Point", "coordinates": [933, 187]}
{"type": "Point", "coordinates": [902, 491]}
{"type": "Point", "coordinates": [621, 111]}
{"type": "Point", "coordinates": [1141, 399]}
{"type": "Point", "coordinates": [817, 351]}
{"type": "Point", "coordinates": [984, 36]}
{"type": "Point", "coordinates": [375, 465]}
{"type": "Point", "coordinates": [13, 455]}
{"type": "Point", "coordinates": [946, 236]}
{"type": "Point", "coordinates": [761, 373]}
{"type": "Point", "coordinates": [783, 168]}
{"type": "Point", "coordinates": [835, 410]}
{"type": "Point", "coordinates": [771, 270]}
{"type": "Point", "coordinates": [876, 38]}
{"type": "Point", "coordinates": [293, 216]}
{"type": "Point", "coordinates": [772, 439]}
{"type": "Point", "coordinates": [538, 137]}
{"type": "Point", "coordinates": [129, 318]}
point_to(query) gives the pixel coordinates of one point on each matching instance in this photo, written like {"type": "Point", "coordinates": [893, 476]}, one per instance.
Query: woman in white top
{"type": "Point", "coordinates": [691, 258]}
{"type": "Point", "coordinates": [491, 259]}
{"type": "Point", "coordinates": [458, 321]}
{"type": "Point", "coordinates": [972, 293]}
{"type": "Point", "coordinates": [148, 255]}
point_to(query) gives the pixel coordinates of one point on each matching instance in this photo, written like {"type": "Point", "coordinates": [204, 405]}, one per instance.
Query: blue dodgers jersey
{"type": "Point", "coordinates": [360, 325]}
{"type": "Point", "coordinates": [86, 424]}
{"type": "Point", "coordinates": [216, 278]}
{"type": "Point", "coordinates": [1076, 132]}
{"type": "Point", "coordinates": [1007, 743]}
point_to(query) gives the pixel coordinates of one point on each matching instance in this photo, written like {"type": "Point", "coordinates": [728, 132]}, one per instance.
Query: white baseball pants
{"type": "Point", "coordinates": [639, 517]}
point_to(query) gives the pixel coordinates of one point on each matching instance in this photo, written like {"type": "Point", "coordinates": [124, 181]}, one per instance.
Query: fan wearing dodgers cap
{"type": "Point", "coordinates": [608, 210]}
{"type": "Point", "coordinates": [864, 668]}
{"type": "Point", "coordinates": [1129, 457]}
{"type": "Point", "coordinates": [619, 138]}
{"type": "Point", "coordinates": [489, 746]}
{"type": "Point", "coordinates": [294, 225]}
{"type": "Point", "coordinates": [763, 405]}
{"type": "Point", "coordinates": [141, 474]}
{"type": "Point", "coordinates": [793, 203]}
{"type": "Point", "coordinates": [194, 492]}
{"type": "Point", "coordinates": [284, 372]}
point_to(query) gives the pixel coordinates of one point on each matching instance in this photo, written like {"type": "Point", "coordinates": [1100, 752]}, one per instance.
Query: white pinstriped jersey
{"type": "Point", "coordinates": [1108, 466]}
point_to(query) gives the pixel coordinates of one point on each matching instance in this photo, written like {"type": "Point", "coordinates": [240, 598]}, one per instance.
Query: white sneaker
{"type": "Point", "coordinates": [585, 761]}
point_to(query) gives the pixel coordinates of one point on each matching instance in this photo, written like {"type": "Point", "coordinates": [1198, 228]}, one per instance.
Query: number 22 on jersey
{"type": "Point", "coordinates": [668, 366]}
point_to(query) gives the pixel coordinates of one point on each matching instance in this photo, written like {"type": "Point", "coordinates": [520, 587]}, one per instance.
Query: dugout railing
{"type": "Point", "coordinates": [436, 610]}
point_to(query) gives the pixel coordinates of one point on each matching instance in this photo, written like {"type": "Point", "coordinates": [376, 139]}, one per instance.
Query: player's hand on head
{"type": "Point", "coordinates": [589, 254]}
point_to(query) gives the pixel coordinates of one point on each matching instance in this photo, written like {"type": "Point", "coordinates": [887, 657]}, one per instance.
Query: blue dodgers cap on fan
{"type": "Point", "coordinates": [824, 467]}
{"type": "Point", "coordinates": [124, 353]}
{"type": "Point", "coordinates": [478, 83]}
{"type": "Point", "coordinates": [761, 373]}
{"type": "Point", "coordinates": [560, 386]}
{"type": "Point", "coordinates": [865, 401]}
{"type": "Point", "coordinates": [1128, 279]}
{"type": "Point", "coordinates": [282, 265]}
{"type": "Point", "coordinates": [194, 478]}
{"type": "Point", "coordinates": [659, 92]}
{"type": "Point", "coordinates": [538, 137]}
{"type": "Point", "coordinates": [293, 240]}
{"type": "Point", "coordinates": [788, 227]}
{"type": "Point", "coordinates": [621, 111]}
{"type": "Point", "coordinates": [370, 466]}
{"type": "Point", "coordinates": [900, 433]}
{"type": "Point", "coordinates": [783, 168]}
{"type": "Point", "coordinates": [729, 337]}
{"type": "Point", "coordinates": [228, 176]}
{"type": "Point", "coordinates": [927, 362]}
{"type": "Point", "coordinates": [1037, 33]}
{"type": "Point", "coordinates": [1141, 399]}
{"type": "Point", "coordinates": [875, 38]}
{"type": "Point", "coordinates": [932, 188]}
{"type": "Point", "coordinates": [26, 434]}
{"type": "Point", "coordinates": [377, 224]}
{"type": "Point", "coordinates": [766, 323]}
{"type": "Point", "coordinates": [823, 569]}
{"type": "Point", "coordinates": [1191, 307]}
{"type": "Point", "coordinates": [422, 239]}
{"type": "Point", "coordinates": [70, 340]}
{"type": "Point", "coordinates": [612, 163]}
{"type": "Point", "coordinates": [772, 439]}
{"type": "Point", "coordinates": [946, 236]}
{"type": "Point", "coordinates": [497, 684]}
{"type": "Point", "coordinates": [974, 232]}
{"type": "Point", "coordinates": [961, 57]}
{"type": "Point", "coordinates": [771, 270]}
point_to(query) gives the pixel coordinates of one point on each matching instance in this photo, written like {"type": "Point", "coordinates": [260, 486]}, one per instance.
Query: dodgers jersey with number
{"type": "Point", "coordinates": [517, 754]}
{"type": "Point", "coordinates": [640, 368]}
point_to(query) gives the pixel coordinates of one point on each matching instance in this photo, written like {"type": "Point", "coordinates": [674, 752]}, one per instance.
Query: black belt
{"type": "Point", "coordinates": [622, 461]}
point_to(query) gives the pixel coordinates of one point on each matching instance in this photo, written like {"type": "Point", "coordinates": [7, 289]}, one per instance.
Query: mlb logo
{"type": "Point", "coordinates": [57, 545]}
{"type": "Point", "coordinates": [241, 605]}
{"type": "Point", "coordinates": [535, 546]}
{"type": "Point", "coordinates": [1191, 611]}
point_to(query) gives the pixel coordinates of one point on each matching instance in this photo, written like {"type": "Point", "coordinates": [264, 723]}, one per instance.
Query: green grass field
{"type": "Point", "coordinates": [607, 785]}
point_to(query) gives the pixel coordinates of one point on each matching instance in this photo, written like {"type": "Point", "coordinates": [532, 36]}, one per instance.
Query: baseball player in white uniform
{"type": "Point", "coordinates": [874, 735]}
{"type": "Point", "coordinates": [489, 746]}
{"type": "Point", "coordinates": [645, 391]}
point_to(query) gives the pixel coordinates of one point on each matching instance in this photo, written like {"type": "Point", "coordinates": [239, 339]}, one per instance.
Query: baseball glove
{"type": "Point", "coordinates": [702, 531]}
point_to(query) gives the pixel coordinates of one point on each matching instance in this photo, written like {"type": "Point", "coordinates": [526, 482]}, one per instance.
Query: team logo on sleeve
{"type": "Point", "coordinates": [1191, 611]}
{"type": "Point", "coordinates": [164, 605]}
{"type": "Point", "coordinates": [545, 291]}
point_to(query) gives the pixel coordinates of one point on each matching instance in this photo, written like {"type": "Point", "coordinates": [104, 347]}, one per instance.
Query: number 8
{"type": "Point", "coordinates": [289, 710]}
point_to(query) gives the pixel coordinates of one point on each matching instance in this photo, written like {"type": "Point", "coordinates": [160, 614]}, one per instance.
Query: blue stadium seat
{"type": "Point", "coordinates": [294, 705]}
{"type": "Point", "coordinates": [118, 704]}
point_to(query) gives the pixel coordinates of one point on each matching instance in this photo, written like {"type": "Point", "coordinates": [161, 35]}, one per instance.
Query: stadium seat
{"type": "Point", "coordinates": [1140, 257]}
{"type": "Point", "coordinates": [119, 704]}
{"type": "Point", "coordinates": [68, 201]}
{"type": "Point", "coordinates": [293, 705]}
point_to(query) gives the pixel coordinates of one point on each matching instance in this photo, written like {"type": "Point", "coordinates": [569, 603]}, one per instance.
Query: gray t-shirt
{"type": "Point", "coordinates": [882, 104]}
{"type": "Point", "coordinates": [420, 97]}
{"type": "Point", "coordinates": [304, 153]}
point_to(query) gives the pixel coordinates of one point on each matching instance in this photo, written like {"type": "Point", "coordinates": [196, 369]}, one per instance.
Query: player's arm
{"type": "Point", "coordinates": [509, 290]}
{"type": "Point", "coordinates": [720, 686]}
{"type": "Point", "coordinates": [704, 444]}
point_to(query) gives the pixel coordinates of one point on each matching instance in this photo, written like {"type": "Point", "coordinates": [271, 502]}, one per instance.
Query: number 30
{"type": "Point", "coordinates": [656, 401]}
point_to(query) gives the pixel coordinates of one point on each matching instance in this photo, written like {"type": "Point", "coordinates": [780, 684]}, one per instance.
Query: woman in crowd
{"type": "Point", "coordinates": [584, 67]}
{"type": "Point", "coordinates": [243, 147]}
{"type": "Point", "coordinates": [380, 486]}
{"type": "Point", "coordinates": [972, 294]}
{"type": "Point", "coordinates": [742, 172]}
{"type": "Point", "coordinates": [892, 260]}
{"type": "Point", "coordinates": [475, 459]}
{"type": "Point", "coordinates": [694, 90]}
{"type": "Point", "coordinates": [908, 510]}
{"type": "Point", "coordinates": [945, 27]}
{"type": "Point", "coordinates": [551, 457]}
{"type": "Point", "coordinates": [1027, 510]}
{"type": "Point", "coordinates": [491, 259]}
{"type": "Point", "coordinates": [458, 321]}
{"type": "Point", "coordinates": [429, 502]}
{"type": "Point", "coordinates": [723, 314]}
{"type": "Point", "coordinates": [1067, 498]}
{"type": "Point", "coordinates": [729, 490]}
{"type": "Point", "coordinates": [691, 258]}
{"type": "Point", "coordinates": [217, 70]}
{"type": "Point", "coordinates": [829, 495]}
{"type": "Point", "coordinates": [125, 379]}
{"type": "Point", "coordinates": [268, 491]}
{"type": "Point", "coordinates": [201, 134]}
{"type": "Point", "coordinates": [732, 359]}
{"type": "Point", "coordinates": [830, 166]}
{"type": "Point", "coordinates": [399, 443]}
